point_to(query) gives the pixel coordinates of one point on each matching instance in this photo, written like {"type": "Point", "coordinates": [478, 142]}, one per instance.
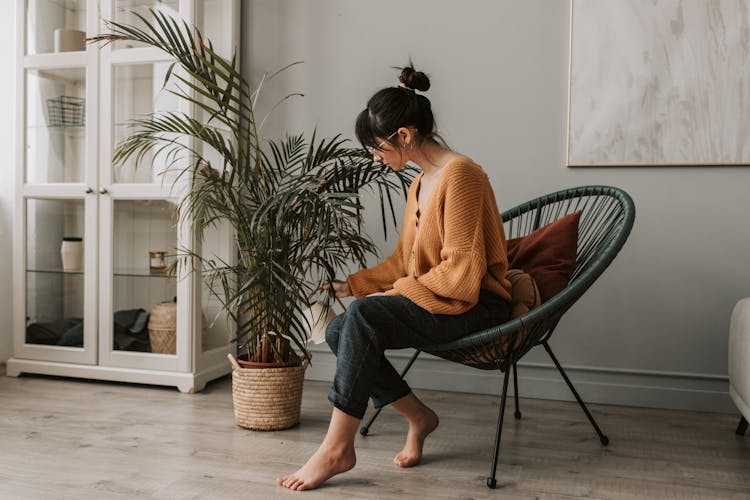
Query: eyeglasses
{"type": "Point", "coordinates": [379, 147]}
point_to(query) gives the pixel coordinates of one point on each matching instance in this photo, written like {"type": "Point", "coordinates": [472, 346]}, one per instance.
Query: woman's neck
{"type": "Point", "coordinates": [430, 157]}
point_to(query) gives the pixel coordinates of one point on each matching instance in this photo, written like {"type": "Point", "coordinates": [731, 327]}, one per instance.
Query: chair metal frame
{"type": "Point", "coordinates": [607, 217]}
{"type": "Point", "coordinates": [741, 426]}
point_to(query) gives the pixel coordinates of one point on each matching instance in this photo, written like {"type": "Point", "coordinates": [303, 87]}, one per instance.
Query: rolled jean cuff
{"type": "Point", "coordinates": [336, 401]}
{"type": "Point", "coordinates": [386, 400]}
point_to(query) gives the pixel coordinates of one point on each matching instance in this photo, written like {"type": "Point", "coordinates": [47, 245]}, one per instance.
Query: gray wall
{"type": "Point", "coordinates": [8, 170]}
{"type": "Point", "coordinates": [653, 331]}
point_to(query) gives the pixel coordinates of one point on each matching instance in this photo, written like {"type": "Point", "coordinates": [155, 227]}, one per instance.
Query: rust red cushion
{"type": "Point", "coordinates": [547, 254]}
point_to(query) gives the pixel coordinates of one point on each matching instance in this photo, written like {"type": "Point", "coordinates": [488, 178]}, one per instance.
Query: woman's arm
{"type": "Point", "coordinates": [379, 278]}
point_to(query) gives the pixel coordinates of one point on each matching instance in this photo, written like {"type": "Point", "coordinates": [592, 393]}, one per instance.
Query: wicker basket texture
{"type": "Point", "coordinates": [162, 328]}
{"type": "Point", "coordinates": [267, 399]}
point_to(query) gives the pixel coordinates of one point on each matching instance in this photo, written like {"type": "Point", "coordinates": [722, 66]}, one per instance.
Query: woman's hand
{"type": "Point", "coordinates": [340, 288]}
{"type": "Point", "coordinates": [375, 294]}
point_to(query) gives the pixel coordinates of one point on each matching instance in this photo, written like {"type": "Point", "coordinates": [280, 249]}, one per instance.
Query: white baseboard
{"type": "Point", "coordinates": [677, 391]}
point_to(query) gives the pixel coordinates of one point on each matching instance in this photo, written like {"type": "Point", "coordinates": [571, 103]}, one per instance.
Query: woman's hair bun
{"type": "Point", "coordinates": [413, 79]}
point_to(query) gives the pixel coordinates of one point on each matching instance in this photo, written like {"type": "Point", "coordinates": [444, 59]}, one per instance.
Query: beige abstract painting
{"type": "Point", "coordinates": [659, 82]}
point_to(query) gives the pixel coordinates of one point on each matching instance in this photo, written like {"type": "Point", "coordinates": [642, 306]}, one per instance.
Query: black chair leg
{"type": "Point", "coordinates": [366, 429]}
{"type": "Point", "coordinates": [604, 439]}
{"type": "Point", "coordinates": [491, 481]}
{"type": "Point", "coordinates": [517, 414]}
{"type": "Point", "coordinates": [742, 427]}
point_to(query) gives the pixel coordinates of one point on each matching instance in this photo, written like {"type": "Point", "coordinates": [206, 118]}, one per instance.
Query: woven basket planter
{"type": "Point", "coordinates": [267, 399]}
{"type": "Point", "coordinates": [162, 328]}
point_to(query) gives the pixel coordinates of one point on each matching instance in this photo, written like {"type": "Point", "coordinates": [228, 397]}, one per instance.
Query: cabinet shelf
{"type": "Point", "coordinates": [72, 132]}
{"type": "Point", "coordinates": [125, 273]}
{"type": "Point", "coordinates": [141, 273]}
{"type": "Point", "coordinates": [58, 127]}
{"type": "Point", "coordinates": [54, 271]}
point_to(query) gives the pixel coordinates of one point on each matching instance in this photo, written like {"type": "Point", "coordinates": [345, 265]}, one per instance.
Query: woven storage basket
{"type": "Point", "coordinates": [267, 399]}
{"type": "Point", "coordinates": [162, 328]}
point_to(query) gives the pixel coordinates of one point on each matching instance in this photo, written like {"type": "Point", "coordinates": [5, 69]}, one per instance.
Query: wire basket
{"type": "Point", "coordinates": [65, 111]}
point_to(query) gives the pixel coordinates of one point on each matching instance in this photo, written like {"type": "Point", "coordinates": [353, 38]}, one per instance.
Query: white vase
{"type": "Point", "coordinates": [69, 40]}
{"type": "Point", "coordinates": [71, 252]}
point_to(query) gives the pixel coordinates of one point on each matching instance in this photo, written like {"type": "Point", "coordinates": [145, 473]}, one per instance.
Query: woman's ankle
{"type": "Point", "coordinates": [336, 447]}
{"type": "Point", "coordinates": [412, 408]}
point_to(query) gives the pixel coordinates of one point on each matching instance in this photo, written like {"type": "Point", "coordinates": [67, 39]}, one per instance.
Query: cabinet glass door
{"type": "Point", "coordinates": [126, 10]}
{"type": "Point", "coordinates": [137, 93]}
{"type": "Point", "coordinates": [143, 303]}
{"type": "Point", "coordinates": [55, 125]}
{"type": "Point", "coordinates": [55, 26]}
{"type": "Point", "coordinates": [217, 330]}
{"type": "Point", "coordinates": [55, 272]}
{"type": "Point", "coordinates": [214, 17]}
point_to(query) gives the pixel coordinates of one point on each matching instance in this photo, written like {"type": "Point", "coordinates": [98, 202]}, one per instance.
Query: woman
{"type": "Point", "coordinates": [445, 279]}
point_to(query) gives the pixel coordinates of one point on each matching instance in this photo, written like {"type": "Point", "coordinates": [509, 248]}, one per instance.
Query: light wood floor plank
{"type": "Point", "coordinates": [63, 438]}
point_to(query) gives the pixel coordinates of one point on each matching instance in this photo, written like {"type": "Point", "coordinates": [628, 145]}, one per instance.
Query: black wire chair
{"type": "Point", "coordinates": [607, 216]}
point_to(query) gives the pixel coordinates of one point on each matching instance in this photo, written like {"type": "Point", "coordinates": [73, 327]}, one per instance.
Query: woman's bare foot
{"type": "Point", "coordinates": [334, 456]}
{"type": "Point", "coordinates": [323, 465]}
{"type": "Point", "coordinates": [421, 424]}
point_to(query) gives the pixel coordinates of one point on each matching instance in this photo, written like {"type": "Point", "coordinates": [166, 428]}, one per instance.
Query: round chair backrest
{"type": "Point", "coordinates": [607, 216]}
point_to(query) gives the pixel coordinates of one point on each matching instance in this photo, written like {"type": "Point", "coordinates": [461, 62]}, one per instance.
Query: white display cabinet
{"type": "Point", "coordinates": [89, 237]}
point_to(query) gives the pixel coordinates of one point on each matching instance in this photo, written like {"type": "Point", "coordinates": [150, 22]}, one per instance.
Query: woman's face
{"type": "Point", "coordinates": [389, 154]}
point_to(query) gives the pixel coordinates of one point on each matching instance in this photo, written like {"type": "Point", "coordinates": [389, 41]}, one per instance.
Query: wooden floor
{"type": "Point", "coordinates": [64, 438]}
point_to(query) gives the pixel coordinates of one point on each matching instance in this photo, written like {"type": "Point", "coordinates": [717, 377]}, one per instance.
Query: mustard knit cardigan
{"type": "Point", "coordinates": [445, 255]}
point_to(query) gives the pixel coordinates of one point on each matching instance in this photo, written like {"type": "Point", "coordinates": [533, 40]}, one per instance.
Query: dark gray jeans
{"type": "Point", "coordinates": [360, 336]}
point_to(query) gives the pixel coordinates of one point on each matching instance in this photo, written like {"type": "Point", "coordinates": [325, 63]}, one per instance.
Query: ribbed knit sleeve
{"type": "Point", "coordinates": [452, 286]}
{"type": "Point", "coordinates": [378, 278]}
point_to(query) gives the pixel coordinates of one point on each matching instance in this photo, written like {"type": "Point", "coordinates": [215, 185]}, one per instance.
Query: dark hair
{"type": "Point", "coordinates": [394, 107]}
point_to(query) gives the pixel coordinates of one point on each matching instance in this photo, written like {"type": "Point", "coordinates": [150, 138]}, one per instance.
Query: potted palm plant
{"type": "Point", "coordinates": [293, 205]}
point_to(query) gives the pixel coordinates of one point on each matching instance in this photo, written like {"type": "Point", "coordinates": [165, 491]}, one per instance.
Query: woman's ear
{"type": "Point", "coordinates": [407, 136]}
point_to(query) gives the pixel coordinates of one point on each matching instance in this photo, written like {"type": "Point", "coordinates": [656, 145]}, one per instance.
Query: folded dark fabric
{"type": "Point", "coordinates": [73, 337]}
{"type": "Point", "coordinates": [50, 332]}
{"type": "Point", "coordinates": [130, 332]}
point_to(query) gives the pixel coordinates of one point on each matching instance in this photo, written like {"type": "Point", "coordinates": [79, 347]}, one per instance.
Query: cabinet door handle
{"type": "Point", "coordinates": [89, 190]}
{"type": "Point", "coordinates": [104, 191]}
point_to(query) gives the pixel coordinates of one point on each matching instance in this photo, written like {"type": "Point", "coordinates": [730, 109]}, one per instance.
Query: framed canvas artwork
{"type": "Point", "coordinates": [659, 82]}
